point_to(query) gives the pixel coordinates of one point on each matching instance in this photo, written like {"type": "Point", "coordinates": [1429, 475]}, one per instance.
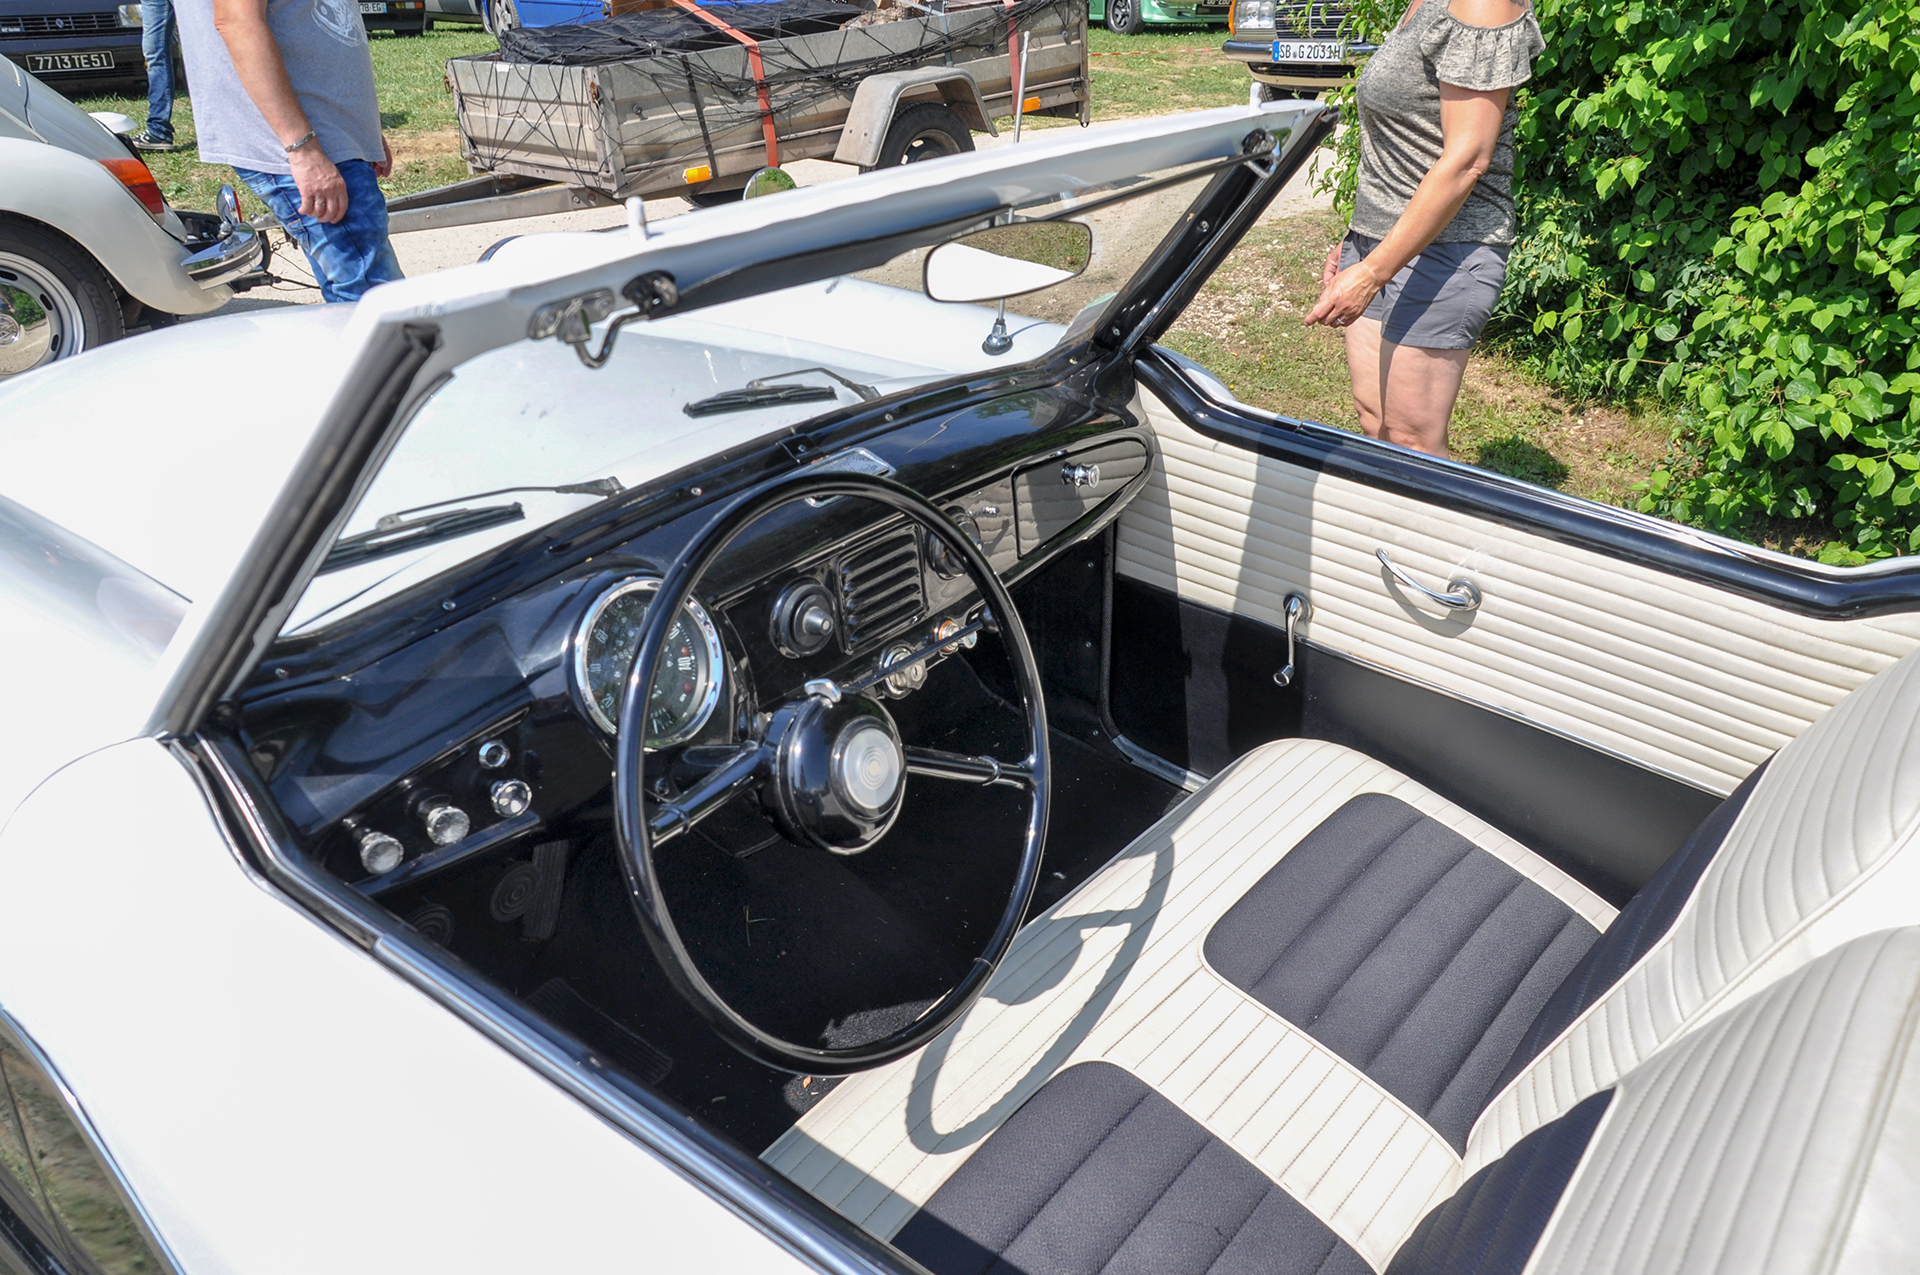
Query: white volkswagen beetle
{"type": "Point", "coordinates": [89, 246]}
{"type": "Point", "coordinates": [680, 750]}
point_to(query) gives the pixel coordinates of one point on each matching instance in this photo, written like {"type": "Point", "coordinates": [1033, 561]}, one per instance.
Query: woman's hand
{"type": "Point", "coordinates": [1345, 296]}
{"type": "Point", "coordinates": [1332, 267]}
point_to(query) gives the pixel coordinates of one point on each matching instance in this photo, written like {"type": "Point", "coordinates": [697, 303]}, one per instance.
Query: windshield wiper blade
{"type": "Point", "coordinates": [761, 396]}
{"type": "Point", "coordinates": [402, 534]}
{"type": "Point", "coordinates": [396, 533]}
{"type": "Point", "coordinates": [762, 392]}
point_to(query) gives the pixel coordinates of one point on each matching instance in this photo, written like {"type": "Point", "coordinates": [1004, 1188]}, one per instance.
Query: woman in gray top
{"type": "Point", "coordinates": [1422, 263]}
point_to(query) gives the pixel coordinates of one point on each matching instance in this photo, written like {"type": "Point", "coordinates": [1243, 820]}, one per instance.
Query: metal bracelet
{"type": "Point", "coordinates": [302, 142]}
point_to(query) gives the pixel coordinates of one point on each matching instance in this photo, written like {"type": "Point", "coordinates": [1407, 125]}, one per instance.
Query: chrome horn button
{"type": "Point", "coordinates": [867, 766]}
{"type": "Point", "coordinates": [839, 772]}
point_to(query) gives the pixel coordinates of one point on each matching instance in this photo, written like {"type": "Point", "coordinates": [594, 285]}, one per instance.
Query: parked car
{"type": "Point", "coordinates": [1131, 17]}
{"type": "Point", "coordinates": [83, 44]}
{"type": "Point", "coordinates": [402, 17]}
{"type": "Point", "coordinates": [1301, 48]}
{"type": "Point", "coordinates": [452, 11]}
{"type": "Point", "coordinates": [89, 247]}
{"type": "Point", "coordinates": [799, 738]}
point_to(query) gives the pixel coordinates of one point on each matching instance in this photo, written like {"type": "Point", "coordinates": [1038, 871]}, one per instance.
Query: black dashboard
{"type": "Point", "coordinates": [449, 726]}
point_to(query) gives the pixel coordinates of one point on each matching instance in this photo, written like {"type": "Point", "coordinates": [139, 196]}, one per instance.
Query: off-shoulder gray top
{"type": "Point", "coordinates": [1399, 100]}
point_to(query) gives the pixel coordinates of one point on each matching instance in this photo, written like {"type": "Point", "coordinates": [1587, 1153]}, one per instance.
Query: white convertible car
{"type": "Point", "coordinates": [804, 740]}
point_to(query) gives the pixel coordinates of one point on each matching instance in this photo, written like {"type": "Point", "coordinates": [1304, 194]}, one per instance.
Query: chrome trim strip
{"type": "Point", "coordinates": [1159, 767]}
{"type": "Point", "coordinates": [10, 1027]}
{"type": "Point", "coordinates": [1522, 718]}
{"type": "Point", "coordinates": [749, 1188]}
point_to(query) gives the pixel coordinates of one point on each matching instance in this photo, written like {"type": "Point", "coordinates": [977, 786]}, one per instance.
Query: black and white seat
{"type": "Point", "coordinates": [1320, 1001]}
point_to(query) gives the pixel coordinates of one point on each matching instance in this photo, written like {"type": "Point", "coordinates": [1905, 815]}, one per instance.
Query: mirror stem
{"type": "Point", "coordinates": [998, 342]}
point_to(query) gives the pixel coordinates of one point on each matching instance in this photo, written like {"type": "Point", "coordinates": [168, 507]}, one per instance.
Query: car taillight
{"type": "Point", "coordinates": [138, 180]}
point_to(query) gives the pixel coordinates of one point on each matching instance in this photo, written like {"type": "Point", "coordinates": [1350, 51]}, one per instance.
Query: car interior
{"type": "Point", "coordinates": [1078, 822]}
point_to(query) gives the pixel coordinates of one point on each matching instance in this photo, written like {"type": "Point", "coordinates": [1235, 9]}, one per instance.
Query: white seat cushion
{"type": "Point", "coordinates": [1116, 972]}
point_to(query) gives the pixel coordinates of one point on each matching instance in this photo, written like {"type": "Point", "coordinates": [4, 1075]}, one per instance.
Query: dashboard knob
{"type": "Point", "coordinates": [380, 853]}
{"type": "Point", "coordinates": [445, 822]}
{"type": "Point", "coordinates": [907, 680]}
{"type": "Point", "coordinates": [494, 754]}
{"type": "Point", "coordinates": [510, 797]}
{"type": "Point", "coordinates": [803, 621]}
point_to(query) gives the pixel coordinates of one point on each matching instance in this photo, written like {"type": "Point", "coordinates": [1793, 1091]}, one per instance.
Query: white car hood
{"type": "Point", "coordinates": [194, 452]}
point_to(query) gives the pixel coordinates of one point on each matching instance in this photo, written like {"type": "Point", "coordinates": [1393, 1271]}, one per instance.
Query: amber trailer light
{"type": "Point", "coordinates": [138, 180]}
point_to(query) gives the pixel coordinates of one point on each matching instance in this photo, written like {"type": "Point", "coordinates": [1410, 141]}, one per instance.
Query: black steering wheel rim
{"type": "Point", "coordinates": [633, 827]}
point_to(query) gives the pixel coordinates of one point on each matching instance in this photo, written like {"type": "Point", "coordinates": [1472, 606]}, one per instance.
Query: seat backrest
{"type": "Point", "coordinates": [1826, 848]}
{"type": "Point", "coordinates": [1782, 1137]}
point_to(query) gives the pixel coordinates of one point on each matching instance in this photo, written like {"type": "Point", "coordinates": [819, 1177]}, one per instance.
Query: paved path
{"type": "Point", "coordinates": [424, 251]}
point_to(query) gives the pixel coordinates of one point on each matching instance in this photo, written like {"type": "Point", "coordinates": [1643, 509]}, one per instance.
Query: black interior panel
{"type": "Point", "coordinates": [1195, 685]}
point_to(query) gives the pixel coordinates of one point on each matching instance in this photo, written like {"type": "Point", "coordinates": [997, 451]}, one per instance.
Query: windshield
{"type": "Point", "coordinates": [477, 465]}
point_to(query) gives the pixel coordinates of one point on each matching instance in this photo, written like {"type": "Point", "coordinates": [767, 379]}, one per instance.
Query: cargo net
{"type": "Point", "coordinates": [685, 92]}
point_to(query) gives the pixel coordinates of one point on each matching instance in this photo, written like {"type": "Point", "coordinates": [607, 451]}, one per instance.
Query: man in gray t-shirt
{"type": "Point", "coordinates": [283, 91]}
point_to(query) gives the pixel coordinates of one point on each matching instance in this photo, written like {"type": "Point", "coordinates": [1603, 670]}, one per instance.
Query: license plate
{"type": "Point", "coordinates": [372, 8]}
{"type": "Point", "coordinates": [1309, 51]}
{"type": "Point", "coordinates": [41, 63]}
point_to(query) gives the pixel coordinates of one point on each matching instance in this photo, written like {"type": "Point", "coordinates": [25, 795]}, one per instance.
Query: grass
{"type": "Point", "coordinates": [1247, 325]}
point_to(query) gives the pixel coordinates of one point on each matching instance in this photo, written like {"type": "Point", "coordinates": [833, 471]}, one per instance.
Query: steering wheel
{"type": "Point", "coordinates": [830, 769]}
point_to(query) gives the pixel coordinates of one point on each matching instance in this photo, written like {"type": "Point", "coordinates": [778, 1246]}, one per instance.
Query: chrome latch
{"type": "Point", "coordinates": [1080, 475]}
{"type": "Point", "coordinates": [1460, 594]}
{"type": "Point", "coordinates": [1296, 611]}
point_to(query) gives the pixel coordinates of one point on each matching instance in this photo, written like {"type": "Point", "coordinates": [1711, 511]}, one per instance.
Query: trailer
{"type": "Point", "coordinates": [701, 123]}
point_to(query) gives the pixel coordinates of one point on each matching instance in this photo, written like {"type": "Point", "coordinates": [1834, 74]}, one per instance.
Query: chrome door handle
{"type": "Point", "coordinates": [1460, 595]}
{"type": "Point", "coordinates": [1296, 609]}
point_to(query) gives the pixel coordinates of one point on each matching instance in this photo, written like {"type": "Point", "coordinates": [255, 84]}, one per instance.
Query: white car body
{"type": "Point", "coordinates": [52, 176]}
{"type": "Point", "coordinates": [261, 1124]}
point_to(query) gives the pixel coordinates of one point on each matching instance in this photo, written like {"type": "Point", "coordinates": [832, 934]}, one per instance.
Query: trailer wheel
{"type": "Point", "coordinates": [924, 130]}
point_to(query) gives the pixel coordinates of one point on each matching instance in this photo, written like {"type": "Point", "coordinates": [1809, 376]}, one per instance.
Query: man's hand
{"type": "Point", "coordinates": [384, 167]}
{"type": "Point", "coordinates": [323, 192]}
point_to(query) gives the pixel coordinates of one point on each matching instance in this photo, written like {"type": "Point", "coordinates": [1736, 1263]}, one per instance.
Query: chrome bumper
{"type": "Point", "coordinates": [240, 251]}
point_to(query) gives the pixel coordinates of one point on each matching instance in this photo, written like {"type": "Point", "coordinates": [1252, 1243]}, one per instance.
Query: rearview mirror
{"type": "Point", "coordinates": [1008, 261]}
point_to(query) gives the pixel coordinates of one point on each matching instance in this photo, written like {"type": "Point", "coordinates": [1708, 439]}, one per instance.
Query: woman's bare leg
{"type": "Point", "coordinates": [1404, 393]}
{"type": "Point", "coordinates": [1363, 368]}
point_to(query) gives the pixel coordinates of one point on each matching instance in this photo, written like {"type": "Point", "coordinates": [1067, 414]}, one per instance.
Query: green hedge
{"type": "Point", "coordinates": [1722, 201]}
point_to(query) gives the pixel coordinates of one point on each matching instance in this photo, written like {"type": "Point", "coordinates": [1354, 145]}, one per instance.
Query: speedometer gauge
{"type": "Point", "coordinates": [686, 685]}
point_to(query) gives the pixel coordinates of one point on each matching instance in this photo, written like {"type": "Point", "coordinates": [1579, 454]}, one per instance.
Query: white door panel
{"type": "Point", "coordinates": [1679, 676]}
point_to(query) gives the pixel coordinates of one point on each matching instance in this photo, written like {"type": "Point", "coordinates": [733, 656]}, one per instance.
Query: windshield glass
{"type": "Point", "coordinates": [476, 465]}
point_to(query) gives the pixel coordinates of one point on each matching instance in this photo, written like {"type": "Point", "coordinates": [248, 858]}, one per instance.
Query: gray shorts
{"type": "Point", "coordinates": [1441, 299]}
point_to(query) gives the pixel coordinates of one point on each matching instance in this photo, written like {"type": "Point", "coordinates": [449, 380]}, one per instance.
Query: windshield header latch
{"type": "Point", "coordinates": [572, 320]}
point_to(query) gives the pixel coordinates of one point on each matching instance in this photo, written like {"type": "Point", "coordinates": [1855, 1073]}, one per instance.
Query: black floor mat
{"type": "Point", "coordinates": [828, 949]}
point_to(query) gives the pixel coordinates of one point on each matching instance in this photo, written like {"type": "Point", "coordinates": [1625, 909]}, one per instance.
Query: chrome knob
{"type": "Point", "coordinates": [510, 797]}
{"type": "Point", "coordinates": [494, 754]}
{"type": "Point", "coordinates": [1087, 476]}
{"type": "Point", "coordinates": [946, 629]}
{"type": "Point", "coordinates": [907, 680]}
{"type": "Point", "coordinates": [380, 853]}
{"type": "Point", "coordinates": [445, 822]}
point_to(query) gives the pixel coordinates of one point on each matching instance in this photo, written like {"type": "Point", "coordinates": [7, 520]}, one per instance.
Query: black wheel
{"type": "Point", "coordinates": [828, 767]}
{"type": "Point", "coordinates": [924, 130]}
{"type": "Point", "coordinates": [55, 300]}
{"type": "Point", "coordinates": [708, 197]}
{"type": "Point", "coordinates": [1124, 17]}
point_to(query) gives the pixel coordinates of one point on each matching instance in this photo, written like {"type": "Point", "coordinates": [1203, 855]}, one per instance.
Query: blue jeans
{"type": "Point", "coordinates": [349, 256]}
{"type": "Point", "coordinates": [156, 45]}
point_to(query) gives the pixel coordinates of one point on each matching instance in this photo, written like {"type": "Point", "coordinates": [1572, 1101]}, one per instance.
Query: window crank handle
{"type": "Point", "coordinates": [1296, 610]}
